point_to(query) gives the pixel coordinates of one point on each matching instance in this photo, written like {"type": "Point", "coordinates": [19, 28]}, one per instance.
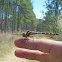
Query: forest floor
{"type": "Point", "coordinates": [7, 48]}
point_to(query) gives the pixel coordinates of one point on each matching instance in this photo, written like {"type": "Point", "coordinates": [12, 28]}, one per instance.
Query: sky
{"type": "Point", "coordinates": [38, 7]}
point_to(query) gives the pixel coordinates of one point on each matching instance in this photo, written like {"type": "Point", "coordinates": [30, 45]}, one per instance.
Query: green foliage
{"type": "Point", "coordinates": [28, 14]}
{"type": "Point", "coordinates": [19, 15]}
{"type": "Point", "coordinates": [54, 10]}
{"type": "Point", "coordinates": [55, 6]}
{"type": "Point", "coordinates": [20, 12]}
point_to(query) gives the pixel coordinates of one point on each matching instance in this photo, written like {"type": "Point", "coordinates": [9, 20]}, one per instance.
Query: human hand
{"type": "Point", "coordinates": [49, 50]}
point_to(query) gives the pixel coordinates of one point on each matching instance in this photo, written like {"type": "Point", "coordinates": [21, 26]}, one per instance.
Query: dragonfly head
{"type": "Point", "coordinates": [24, 35]}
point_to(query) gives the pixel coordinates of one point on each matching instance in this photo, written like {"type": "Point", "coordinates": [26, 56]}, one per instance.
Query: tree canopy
{"type": "Point", "coordinates": [16, 15]}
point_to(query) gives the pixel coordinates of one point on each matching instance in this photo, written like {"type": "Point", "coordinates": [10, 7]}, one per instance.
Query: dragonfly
{"type": "Point", "coordinates": [28, 33]}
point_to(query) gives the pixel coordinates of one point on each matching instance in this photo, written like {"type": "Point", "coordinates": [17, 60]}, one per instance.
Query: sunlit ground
{"type": "Point", "coordinates": [7, 48]}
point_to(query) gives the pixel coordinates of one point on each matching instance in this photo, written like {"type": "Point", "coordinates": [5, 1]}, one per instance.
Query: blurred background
{"type": "Point", "coordinates": [17, 16]}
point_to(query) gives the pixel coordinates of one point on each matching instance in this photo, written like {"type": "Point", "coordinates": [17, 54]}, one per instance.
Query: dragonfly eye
{"type": "Point", "coordinates": [24, 35]}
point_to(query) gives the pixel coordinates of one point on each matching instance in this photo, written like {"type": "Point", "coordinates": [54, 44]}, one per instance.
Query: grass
{"type": "Point", "coordinates": [7, 48]}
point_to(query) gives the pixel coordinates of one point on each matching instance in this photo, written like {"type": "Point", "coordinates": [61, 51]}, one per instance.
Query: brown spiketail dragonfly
{"type": "Point", "coordinates": [28, 33]}
{"type": "Point", "coordinates": [31, 33]}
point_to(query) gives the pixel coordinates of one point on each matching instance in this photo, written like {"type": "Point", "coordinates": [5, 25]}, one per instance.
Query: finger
{"type": "Point", "coordinates": [32, 55]}
{"type": "Point", "coordinates": [36, 44]}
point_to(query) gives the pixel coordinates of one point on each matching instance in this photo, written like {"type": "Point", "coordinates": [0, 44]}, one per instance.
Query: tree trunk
{"type": "Point", "coordinates": [56, 8]}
